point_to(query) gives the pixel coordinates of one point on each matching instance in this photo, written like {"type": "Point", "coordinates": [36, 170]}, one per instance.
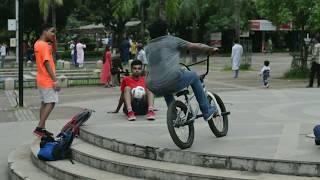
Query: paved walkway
{"type": "Point", "coordinates": [269, 123]}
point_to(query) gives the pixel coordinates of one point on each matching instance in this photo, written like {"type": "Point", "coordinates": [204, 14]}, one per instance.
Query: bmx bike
{"type": "Point", "coordinates": [181, 114]}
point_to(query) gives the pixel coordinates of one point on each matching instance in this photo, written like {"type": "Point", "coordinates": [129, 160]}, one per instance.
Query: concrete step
{"type": "Point", "coordinates": [149, 169]}
{"type": "Point", "coordinates": [64, 169]}
{"type": "Point", "coordinates": [251, 164]}
{"type": "Point", "coordinates": [21, 167]}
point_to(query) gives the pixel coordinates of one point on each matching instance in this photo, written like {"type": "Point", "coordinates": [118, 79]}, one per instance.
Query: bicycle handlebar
{"type": "Point", "coordinates": [203, 75]}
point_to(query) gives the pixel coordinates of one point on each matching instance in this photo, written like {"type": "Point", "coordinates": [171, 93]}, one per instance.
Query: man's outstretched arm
{"type": "Point", "coordinates": [198, 47]}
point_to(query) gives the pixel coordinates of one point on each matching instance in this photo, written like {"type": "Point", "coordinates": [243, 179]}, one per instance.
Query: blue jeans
{"type": "Point", "coordinates": [192, 78]}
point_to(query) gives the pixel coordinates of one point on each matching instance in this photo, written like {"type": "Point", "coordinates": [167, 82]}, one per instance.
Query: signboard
{"type": "Point", "coordinates": [265, 25]}
{"type": "Point", "coordinates": [13, 42]}
{"type": "Point", "coordinates": [12, 25]}
{"type": "Point", "coordinates": [216, 39]}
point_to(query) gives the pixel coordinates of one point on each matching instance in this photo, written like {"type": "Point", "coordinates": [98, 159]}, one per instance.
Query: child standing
{"type": "Point", "coordinates": [265, 73]}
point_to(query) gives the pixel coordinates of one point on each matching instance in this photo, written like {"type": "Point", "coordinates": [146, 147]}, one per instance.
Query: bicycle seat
{"type": "Point", "coordinates": [182, 92]}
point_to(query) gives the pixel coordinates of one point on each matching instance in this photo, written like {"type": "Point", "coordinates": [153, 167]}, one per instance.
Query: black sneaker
{"type": "Point", "coordinates": [40, 132]}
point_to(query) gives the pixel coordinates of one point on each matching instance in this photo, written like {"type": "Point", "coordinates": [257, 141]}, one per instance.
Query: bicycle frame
{"type": "Point", "coordinates": [188, 99]}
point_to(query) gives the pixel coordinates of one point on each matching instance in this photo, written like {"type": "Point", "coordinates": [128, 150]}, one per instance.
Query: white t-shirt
{"type": "Point", "coordinates": [316, 53]}
{"type": "Point", "coordinates": [72, 48]}
{"type": "Point", "coordinates": [264, 68]}
{"type": "Point", "coordinates": [142, 56]}
{"type": "Point", "coordinates": [3, 50]}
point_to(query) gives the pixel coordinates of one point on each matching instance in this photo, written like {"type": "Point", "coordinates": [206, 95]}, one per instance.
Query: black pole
{"type": "Point", "coordinates": [20, 44]}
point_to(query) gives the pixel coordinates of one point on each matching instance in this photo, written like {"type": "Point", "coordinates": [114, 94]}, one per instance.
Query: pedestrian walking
{"type": "Point", "coordinates": [105, 77]}
{"type": "Point", "coordinates": [72, 52]}
{"type": "Point", "coordinates": [237, 51]}
{"type": "Point", "coordinates": [315, 65]}
{"type": "Point", "coordinates": [124, 51]}
{"type": "Point", "coordinates": [141, 56]}
{"type": "Point", "coordinates": [265, 74]}
{"type": "Point", "coordinates": [3, 54]}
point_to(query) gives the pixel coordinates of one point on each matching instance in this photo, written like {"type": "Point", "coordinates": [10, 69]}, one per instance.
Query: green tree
{"type": "Point", "coordinates": [45, 5]}
{"type": "Point", "coordinates": [7, 9]}
{"type": "Point", "coordinates": [304, 14]}
{"type": "Point", "coordinates": [224, 19]}
{"type": "Point", "coordinates": [194, 9]}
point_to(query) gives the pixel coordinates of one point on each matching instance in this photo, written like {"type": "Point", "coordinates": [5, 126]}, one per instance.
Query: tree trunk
{"type": "Point", "coordinates": [237, 19]}
{"type": "Point", "coordinates": [142, 25]}
{"type": "Point", "coordinates": [162, 9]}
{"type": "Point", "coordinates": [303, 49]}
{"type": "Point", "coordinates": [194, 30]}
{"type": "Point", "coordinates": [53, 13]}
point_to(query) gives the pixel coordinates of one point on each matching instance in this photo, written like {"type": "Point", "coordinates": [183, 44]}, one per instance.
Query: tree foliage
{"type": "Point", "coordinates": [224, 17]}
{"type": "Point", "coordinates": [300, 12]}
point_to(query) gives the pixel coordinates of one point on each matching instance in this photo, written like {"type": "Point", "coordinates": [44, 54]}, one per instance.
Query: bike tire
{"type": "Point", "coordinates": [171, 116]}
{"type": "Point", "coordinates": [221, 131]}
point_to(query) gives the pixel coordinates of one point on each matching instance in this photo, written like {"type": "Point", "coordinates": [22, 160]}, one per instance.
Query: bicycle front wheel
{"type": "Point", "coordinates": [181, 134]}
{"type": "Point", "coordinates": [218, 124]}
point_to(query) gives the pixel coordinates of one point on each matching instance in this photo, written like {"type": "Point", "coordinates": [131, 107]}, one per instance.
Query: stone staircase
{"type": "Point", "coordinates": [75, 76]}
{"type": "Point", "coordinates": [97, 157]}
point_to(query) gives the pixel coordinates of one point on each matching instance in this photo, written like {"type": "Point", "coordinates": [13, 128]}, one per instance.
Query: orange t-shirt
{"type": "Point", "coordinates": [43, 52]}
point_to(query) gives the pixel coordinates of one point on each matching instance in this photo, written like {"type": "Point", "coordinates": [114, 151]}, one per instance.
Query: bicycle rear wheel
{"type": "Point", "coordinates": [219, 124]}
{"type": "Point", "coordinates": [181, 134]}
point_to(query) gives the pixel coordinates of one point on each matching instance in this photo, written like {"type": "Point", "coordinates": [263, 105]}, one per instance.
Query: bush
{"type": "Point", "coordinates": [243, 67]}
{"type": "Point", "coordinates": [93, 54]}
{"type": "Point", "coordinates": [297, 73]}
{"type": "Point", "coordinates": [87, 54]}
{"type": "Point", "coordinates": [90, 46]}
{"type": "Point", "coordinates": [65, 55]}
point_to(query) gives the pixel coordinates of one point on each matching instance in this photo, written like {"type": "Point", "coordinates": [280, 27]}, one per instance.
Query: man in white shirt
{"type": "Point", "coordinates": [80, 53]}
{"type": "Point", "coordinates": [315, 67]}
{"type": "Point", "coordinates": [236, 55]}
{"type": "Point", "coordinates": [71, 47]}
{"type": "Point", "coordinates": [3, 54]}
{"type": "Point", "coordinates": [142, 56]}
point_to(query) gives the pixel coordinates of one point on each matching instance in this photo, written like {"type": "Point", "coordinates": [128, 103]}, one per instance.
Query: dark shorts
{"type": "Point", "coordinates": [139, 106]}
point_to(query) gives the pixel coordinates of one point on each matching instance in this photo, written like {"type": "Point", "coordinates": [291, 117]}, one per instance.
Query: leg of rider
{"type": "Point", "coordinates": [169, 99]}
{"type": "Point", "coordinates": [127, 98]}
{"type": "Point", "coordinates": [191, 78]}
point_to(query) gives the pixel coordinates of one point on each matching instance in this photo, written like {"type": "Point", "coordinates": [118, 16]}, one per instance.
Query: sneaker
{"type": "Point", "coordinates": [211, 114]}
{"type": "Point", "coordinates": [309, 86]}
{"type": "Point", "coordinates": [42, 132]}
{"type": "Point", "coordinates": [131, 116]}
{"type": "Point", "coordinates": [151, 115]}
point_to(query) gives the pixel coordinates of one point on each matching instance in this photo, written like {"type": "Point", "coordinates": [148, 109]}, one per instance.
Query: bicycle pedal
{"type": "Point", "coordinates": [225, 113]}
{"type": "Point", "coordinates": [189, 122]}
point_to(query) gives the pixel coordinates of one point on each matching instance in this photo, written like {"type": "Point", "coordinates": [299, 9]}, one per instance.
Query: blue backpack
{"type": "Point", "coordinates": [316, 131]}
{"type": "Point", "coordinates": [51, 149]}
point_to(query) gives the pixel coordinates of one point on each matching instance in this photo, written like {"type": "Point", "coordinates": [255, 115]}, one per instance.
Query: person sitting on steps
{"type": "Point", "coordinates": [136, 97]}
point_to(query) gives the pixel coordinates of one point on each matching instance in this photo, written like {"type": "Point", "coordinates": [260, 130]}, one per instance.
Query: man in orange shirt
{"type": "Point", "coordinates": [46, 77]}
